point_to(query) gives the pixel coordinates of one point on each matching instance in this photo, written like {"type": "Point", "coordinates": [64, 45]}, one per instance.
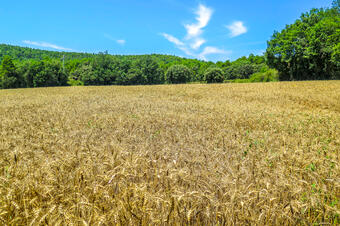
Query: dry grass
{"type": "Point", "coordinates": [181, 154]}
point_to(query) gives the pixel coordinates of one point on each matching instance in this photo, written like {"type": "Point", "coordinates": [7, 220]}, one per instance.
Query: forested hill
{"type": "Point", "coordinates": [25, 53]}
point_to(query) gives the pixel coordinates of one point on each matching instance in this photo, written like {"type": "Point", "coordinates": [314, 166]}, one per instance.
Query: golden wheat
{"type": "Point", "coordinates": [234, 154]}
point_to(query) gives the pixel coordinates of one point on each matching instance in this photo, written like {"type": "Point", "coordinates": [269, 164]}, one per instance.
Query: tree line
{"type": "Point", "coordinates": [106, 69]}
{"type": "Point", "coordinates": [308, 49]}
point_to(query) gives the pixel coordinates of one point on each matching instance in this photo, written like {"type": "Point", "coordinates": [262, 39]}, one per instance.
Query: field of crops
{"type": "Point", "coordinates": [178, 154]}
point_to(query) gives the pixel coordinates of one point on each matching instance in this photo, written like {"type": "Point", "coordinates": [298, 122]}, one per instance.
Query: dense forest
{"type": "Point", "coordinates": [309, 49]}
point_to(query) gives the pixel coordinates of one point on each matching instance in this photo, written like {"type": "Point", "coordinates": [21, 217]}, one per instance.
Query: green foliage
{"type": "Point", "coordinates": [25, 53]}
{"type": "Point", "coordinates": [268, 76]}
{"type": "Point", "coordinates": [31, 70]}
{"type": "Point", "coordinates": [147, 71]}
{"type": "Point", "coordinates": [336, 55]}
{"type": "Point", "coordinates": [49, 73]}
{"type": "Point", "coordinates": [244, 67]}
{"type": "Point", "coordinates": [46, 68]}
{"type": "Point", "coordinates": [309, 48]}
{"type": "Point", "coordinates": [74, 82]}
{"type": "Point", "coordinates": [336, 4]}
{"type": "Point", "coordinates": [214, 75]}
{"type": "Point", "coordinates": [237, 81]}
{"type": "Point", "coordinates": [178, 74]}
{"type": "Point", "coordinates": [85, 74]}
{"type": "Point", "coordinates": [8, 75]}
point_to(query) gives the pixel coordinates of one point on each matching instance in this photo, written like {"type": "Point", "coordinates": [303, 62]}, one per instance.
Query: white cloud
{"type": "Point", "coordinates": [179, 44]}
{"type": "Point", "coordinates": [173, 39]}
{"type": "Point", "coordinates": [193, 41]}
{"type": "Point", "coordinates": [47, 45]}
{"type": "Point", "coordinates": [237, 28]}
{"type": "Point", "coordinates": [121, 41]}
{"type": "Point", "coordinates": [197, 43]}
{"type": "Point", "coordinates": [203, 17]}
{"type": "Point", "coordinates": [212, 50]}
{"type": "Point", "coordinates": [194, 31]}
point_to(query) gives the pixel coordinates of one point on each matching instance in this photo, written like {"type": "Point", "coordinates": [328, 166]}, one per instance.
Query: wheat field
{"type": "Point", "coordinates": [227, 154]}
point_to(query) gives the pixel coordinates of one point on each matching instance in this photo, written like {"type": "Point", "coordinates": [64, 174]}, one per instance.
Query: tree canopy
{"type": "Point", "coordinates": [214, 75]}
{"type": "Point", "coordinates": [309, 48]}
{"type": "Point", "coordinates": [178, 74]}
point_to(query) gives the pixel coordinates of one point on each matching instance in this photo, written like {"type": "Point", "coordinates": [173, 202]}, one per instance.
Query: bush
{"type": "Point", "coordinates": [269, 76]}
{"type": "Point", "coordinates": [73, 82]}
{"type": "Point", "coordinates": [213, 75]}
{"type": "Point", "coordinates": [178, 74]}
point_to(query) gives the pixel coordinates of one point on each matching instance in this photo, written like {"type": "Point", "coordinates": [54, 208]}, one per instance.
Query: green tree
{"type": "Point", "coordinates": [214, 75]}
{"type": "Point", "coordinates": [178, 74]}
{"type": "Point", "coordinates": [8, 75]}
{"type": "Point", "coordinates": [241, 69]}
{"type": "Point", "coordinates": [48, 72]}
{"type": "Point", "coordinates": [33, 68]}
{"type": "Point", "coordinates": [86, 75]}
{"type": "Point", "coordinates": [151, 70]}
{"type": "Point", "coordinates": [307, 49]}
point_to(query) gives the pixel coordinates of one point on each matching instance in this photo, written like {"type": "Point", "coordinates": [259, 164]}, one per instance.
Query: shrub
{"type": "Point", "coordinates": [269, 76]}
{"type": "Point", "coordinates": [74, 82]}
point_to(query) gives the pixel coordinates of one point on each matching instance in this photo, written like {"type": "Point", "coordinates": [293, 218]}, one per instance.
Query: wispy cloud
{"type": "Point", "coordinates": [47, 45]}
{"type": "Point", "coordinates": [196, 44]}
{"type": "Point", "coordinates": [193, 39]}
{"type": "Point", "coordinates": [118, 41]}
{"type": "Point", "coordinates": [173, 39]}
{"type": "Point", "coordinates": [237, 28]}
{"type": "Point", "coordinates": [212, 50]}
{"type": "Point", "coordinates": [121, 41]}
{"type": "Point", "coordinates": [179, 44]}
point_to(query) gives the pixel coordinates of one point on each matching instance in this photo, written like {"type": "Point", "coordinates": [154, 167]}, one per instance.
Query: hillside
{"type": "Point", "coordinates": [25, 53]}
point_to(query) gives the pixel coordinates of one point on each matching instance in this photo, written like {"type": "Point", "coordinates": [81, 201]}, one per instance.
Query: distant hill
{"type": "Point", "coordinates": [25, 53]}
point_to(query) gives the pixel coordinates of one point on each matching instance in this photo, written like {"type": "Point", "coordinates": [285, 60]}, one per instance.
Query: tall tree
{"type": "Point", "coordinates": [309, 48]}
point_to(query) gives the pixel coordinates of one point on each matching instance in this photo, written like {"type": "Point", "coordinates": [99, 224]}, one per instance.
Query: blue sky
{"type": "Point", "coordinates": [209, 30]}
